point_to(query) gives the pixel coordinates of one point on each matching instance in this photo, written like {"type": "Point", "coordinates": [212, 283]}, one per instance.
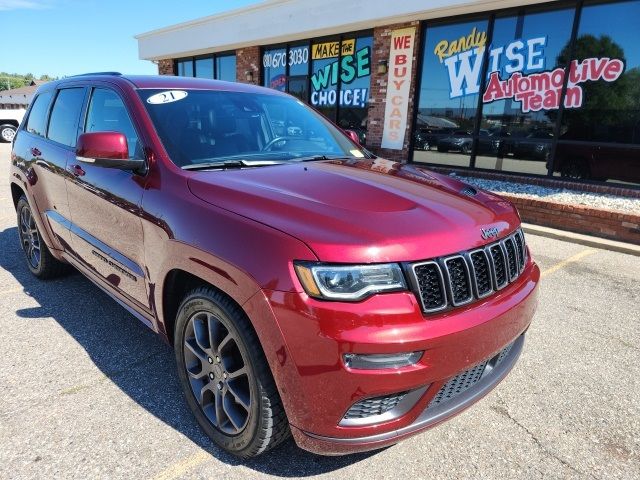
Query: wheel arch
{"type": "Point", "coordinates": [16, 193]}
{"type": "Point", "coordinates": [177, 283]}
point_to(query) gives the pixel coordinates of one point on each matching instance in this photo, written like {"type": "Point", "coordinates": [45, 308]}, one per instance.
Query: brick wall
{"type": "Point", "coordinates": [248, 60]}
{"type": "Point", "coordinates": [624, 227]}
{"type": "Point", "coordinates": [378, 95]}
{"type": "Point", "coordinates": [165, 67]}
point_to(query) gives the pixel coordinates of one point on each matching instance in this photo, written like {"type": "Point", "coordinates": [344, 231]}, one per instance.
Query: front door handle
{"type": "Point", "coordinates": [76, 171]}
{"type": "Point", "coordinates": [35, 152]}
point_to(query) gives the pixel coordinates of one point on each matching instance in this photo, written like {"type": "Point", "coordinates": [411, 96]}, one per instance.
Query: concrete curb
{"type": "Point", "coordinates": [596, 242]}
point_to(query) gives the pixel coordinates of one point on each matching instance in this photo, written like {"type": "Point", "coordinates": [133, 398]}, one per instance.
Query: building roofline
{"type": "Point", "coordinates": [218, 16]}
{"type": "Point", "coordinates": [293, 20]}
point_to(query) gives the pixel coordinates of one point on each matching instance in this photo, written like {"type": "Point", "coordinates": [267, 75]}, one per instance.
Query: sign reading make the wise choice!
{"type": "Point", "coordinates": [398, 86]}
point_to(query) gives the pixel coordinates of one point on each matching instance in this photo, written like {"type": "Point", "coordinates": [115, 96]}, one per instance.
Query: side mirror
{"type": "Point", "coordinates": [106, 149]}
{"type": "Point", "coordinates": [353, 136]}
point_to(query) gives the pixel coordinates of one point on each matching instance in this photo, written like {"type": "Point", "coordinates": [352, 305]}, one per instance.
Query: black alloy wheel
{"type": "Point", "coordinates": [218, 374]}
{"type": "Point", "coordinates": [29, 237]}
{"type": "Point", "coordinates": [39, 259]}
{"type": "Point", "coordinates": [225, 376]}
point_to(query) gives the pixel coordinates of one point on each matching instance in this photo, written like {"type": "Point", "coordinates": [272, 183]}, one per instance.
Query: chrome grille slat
{"type": "Point", "coordinates": [430, 283]}
{"type": "Point", "coordinates": [522, 253]}
{"type": "Point", "coordinates": [480, 273]}
{"type": "Point", "coordinates": [456, 272]}
{"type": "Point", "coordinates": [460, 279]}
{"type": "Point", "coordinates": [512, 258]}
{"type": "Point", "coordinates": [498, 265]}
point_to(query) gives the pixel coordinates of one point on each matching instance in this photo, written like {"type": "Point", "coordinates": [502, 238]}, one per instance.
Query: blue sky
{"type": "Point", "coordinates": [67, 37]}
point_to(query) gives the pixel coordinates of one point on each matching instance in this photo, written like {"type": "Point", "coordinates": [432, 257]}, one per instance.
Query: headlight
{"type": "Point", "coordinates": [349, 282]}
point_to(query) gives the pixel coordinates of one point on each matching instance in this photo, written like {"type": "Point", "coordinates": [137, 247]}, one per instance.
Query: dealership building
{"type": "Point", "coordinates": [543, 90]}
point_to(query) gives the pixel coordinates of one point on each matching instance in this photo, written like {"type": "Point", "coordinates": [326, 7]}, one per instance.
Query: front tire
{"type": "Point", "coordinates": [575, 169]}
{"type": "Point", "coordinates": [225, 375]}
{"type": "Point", "coordinates": [39, 259]}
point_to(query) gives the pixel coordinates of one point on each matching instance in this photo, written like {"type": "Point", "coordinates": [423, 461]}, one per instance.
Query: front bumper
{"type": "Point", "coordinates": [305, 340]}
{"type": "Point", "coordinates": [435, 412]}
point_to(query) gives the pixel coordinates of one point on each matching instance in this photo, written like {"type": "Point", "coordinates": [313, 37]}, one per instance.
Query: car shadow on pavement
{"type": "Point", "coordinates": [137, 361]}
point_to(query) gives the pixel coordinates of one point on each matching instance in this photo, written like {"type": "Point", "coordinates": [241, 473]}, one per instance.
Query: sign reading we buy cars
{"type": "Point", "coordinates": [398, 86]}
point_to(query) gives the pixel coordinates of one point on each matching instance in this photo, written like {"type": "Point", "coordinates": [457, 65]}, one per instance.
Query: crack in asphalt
{"type": "Point", "coordinates": [615, 339]}
{"type": "Point", "coordinates": [504, 411]}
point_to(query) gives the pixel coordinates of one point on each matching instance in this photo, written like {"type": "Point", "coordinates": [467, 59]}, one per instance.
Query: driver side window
{"type": "Point", "coordinates": [107, 113]}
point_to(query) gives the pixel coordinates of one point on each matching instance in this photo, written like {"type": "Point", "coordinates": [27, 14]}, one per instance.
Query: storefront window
{"type": "Point", "coordinates": [337, 83]}
{"type": "Point", "coordinates": [274, 63]}
{"type": "Point", "coordinates": [325, 75]}
{"type": "Point", "coordinates": [226, 68]}
{"type": "Point", "coordinates": [204, 67]}
{"type": "Point", "coordinates": [354, 88]}
{"type": "Point", "coordinates": [604, 85]}
{"type": "Point", "coordinates": [341, 80]}
{"type": "Point", "coordinates": [220, 67]}
{"type": "Point", "coordinates": [298, 82]}
{"type": "Point", "coordinates": [523, 91]}
{"type": "Point", "coordinates": [448, 98]}
{"type": "Point", "coordinates": [184, 68]}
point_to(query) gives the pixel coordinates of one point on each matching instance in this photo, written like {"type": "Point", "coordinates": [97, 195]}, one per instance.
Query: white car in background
{"type": "Point", "coordinates": [9, 122]}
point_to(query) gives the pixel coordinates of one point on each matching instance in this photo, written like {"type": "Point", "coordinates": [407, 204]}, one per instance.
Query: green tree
{"type": "Point", "coordinates": [607, 108]}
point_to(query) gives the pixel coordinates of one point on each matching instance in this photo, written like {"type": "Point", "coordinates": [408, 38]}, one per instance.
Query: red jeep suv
{"type": "Point", "coordinates": [307, 286]}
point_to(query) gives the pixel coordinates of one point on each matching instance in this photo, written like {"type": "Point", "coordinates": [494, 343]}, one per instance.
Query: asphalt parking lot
{"type": "Point", "coordinates": [88, 392]}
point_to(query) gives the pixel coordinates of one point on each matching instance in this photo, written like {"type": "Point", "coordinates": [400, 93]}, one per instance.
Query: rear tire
{"type": "Point", "coordinates": [225, 376]}
{"type": "Point", "coordinates": [39, 259]}
{"type": "Point", "coordinates": [7, 132]}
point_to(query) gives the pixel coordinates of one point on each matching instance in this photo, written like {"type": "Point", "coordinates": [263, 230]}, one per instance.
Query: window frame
{"type": "Point", "coordinates": [85, 114]}
{"type": "Point", "coordinates": [24, 124]}
{"type": "Point", "coordinates": [78, 119]}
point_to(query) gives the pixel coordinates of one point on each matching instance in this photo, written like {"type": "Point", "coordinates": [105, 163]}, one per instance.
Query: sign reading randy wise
{"type": "Point", "coordinates": [398, 86]}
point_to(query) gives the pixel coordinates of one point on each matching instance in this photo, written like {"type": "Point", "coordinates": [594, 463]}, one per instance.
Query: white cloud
{"type": "Point", "coordinates": [24, 4]}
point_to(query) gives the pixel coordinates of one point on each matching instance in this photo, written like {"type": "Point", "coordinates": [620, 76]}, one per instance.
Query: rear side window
{"type": "Point", "coordinates": [63, 124]}
{"type": "Point", "coordinates": [107, 113]}
{"type": "Point", "coordinates": [38, 115]}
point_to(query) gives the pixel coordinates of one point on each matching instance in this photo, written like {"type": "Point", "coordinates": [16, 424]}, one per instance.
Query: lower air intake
{"type": "Point", "coordinates": [467, 379]}
{"type": "Point", "coordinates": [374, 406]}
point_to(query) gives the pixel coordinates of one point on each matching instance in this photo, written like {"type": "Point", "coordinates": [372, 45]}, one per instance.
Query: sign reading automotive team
{"type": "Point", "coordinates": [351, 66]}
{"type": "Point", "coordinates": [523, 64]}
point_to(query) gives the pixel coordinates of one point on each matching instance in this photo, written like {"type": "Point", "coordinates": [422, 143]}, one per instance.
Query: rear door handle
{"type": "Point", "coordinates": [76, 171]}
{"type": "Point", "coordinates": [35, 152]}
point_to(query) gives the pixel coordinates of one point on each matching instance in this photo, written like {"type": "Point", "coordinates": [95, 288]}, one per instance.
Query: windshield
{"type": "Point", "coordinates": [199, 127]}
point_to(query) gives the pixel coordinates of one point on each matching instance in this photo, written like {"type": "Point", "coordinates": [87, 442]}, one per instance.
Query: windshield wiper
{"type": "Point", "coordinates": [315, 158]}
{"type": "Point", "coordinates": [229, 164]}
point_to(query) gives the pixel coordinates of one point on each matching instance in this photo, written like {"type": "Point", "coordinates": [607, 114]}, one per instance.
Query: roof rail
{"type": "Point", "coordinates": [118, 74]}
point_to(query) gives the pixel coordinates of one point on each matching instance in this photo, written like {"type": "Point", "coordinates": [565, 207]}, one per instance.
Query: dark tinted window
{"type": "Point", "coordinates": [38, 116]}
{"type": "Point", "coordinates": [107, 113]}
{"type": "Point", "coordinates": [63, 124]}
{"type": "Point", "coordinates": [606, 76]}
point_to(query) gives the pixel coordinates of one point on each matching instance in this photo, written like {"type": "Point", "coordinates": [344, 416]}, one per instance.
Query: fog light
{"type": "Point", "coordinates": [381, 360]}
